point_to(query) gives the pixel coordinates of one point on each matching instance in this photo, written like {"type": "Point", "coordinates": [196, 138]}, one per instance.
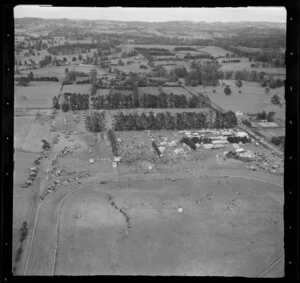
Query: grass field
{"type": "Point", "coordinates": [81, 88]}
{"type": "Point", "coordinates": [37, 94]}
{"type": "Point", "coordinates": [29, 131]}
{"type": "Point", "coordinates": [252, 98]}
{"type": "Point", "coordinates": [272, 132]}
{"type": "Point", "coordinates": [215, 51]}
{"type": "Point", "coordinates": [246, 65]}
{"type": "Point", "coordinates": [53, 71]}
{"type": "Point", "coordinates": [176, 90]}
{"type": "Point", "coordinates": [234, 231]}
{"type": "Point", "coordinates": [23, 198]}
{"type": "Point", "coordinates": [149, 90]}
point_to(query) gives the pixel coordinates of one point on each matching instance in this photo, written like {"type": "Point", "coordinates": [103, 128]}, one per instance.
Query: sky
{"type": "Point", "coordinates": [257, 14]}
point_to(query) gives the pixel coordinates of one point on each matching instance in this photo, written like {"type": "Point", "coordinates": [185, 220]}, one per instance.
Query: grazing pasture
{"type": "Point", "coordinates": [233, 234]}
{"type": "Point", "coordinates": [149, 90]}
{"type": "Point", "coordinates": [252, 98]}
{"type": "Point", "coordinates": [36, 95]}
{"type": "Point", "coordinates": [215, 51]}
{"type": "Point", "coordinates": [176, 90]}
{"type": "Point", "coordinates": [246, 65]}
{"type": "Point", "coordinates": [81, 88]}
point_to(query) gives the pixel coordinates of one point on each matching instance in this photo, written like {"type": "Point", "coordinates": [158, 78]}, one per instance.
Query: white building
{"type": "Point", "coordinates": [239, 113]}
{"type": "Point", "coordinates": [208, 146]}
{"type": "Point", "coordinates": [240, 150]}
{"type": "Point", "coordinates": [241, 134]}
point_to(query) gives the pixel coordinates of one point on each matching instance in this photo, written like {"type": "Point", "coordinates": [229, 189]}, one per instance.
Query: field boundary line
{"type": "Point", "coordinates": [58, 220]}
{"type": "Point", "coordinates": [275, 263]}
{"type": "Point", "coordinates": [31, 240]}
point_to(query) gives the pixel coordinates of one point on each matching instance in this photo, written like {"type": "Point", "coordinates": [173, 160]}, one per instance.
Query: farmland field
{"type": "Point", "coordinates": [81, 88]}
{"type": "Point", "coordinates": [149, 90]}
{"type": "Point", "coordinates": [203, 233]}
{"type": "Point", "coordinates": [176, 90]}
{"type": "Point", "coordinates": [158, 110]}
{"type": "Point", "coordinates": [37, 94]}
{"type": "Point", "coordinates": [29, 131]}
{"type": "Point", "coordinates": [246, 65]}
{"type": "Point", "coordinates": [52, 71]}
{"type": "Point", "coordinates": [252, 98]}
{"type": "Point", "coordinates": [215, 51]}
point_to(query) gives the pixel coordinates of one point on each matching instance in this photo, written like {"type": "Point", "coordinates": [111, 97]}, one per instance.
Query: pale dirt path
{"type": "Point", "coordinates": [40, 186]}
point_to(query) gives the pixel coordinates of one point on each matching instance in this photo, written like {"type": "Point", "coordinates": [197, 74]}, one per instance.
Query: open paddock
{"type": "Point", "coordinates": [271, 132]}
{"type": "Point", "coordinates": [215, 51]}
{"type": "Point", "coordinates": [252, 98]}
{"type": "Point", "coordinates": [220, 232]}
{"type": "Point", "coordinates": [29, 131]}
{"type": "Point", "coordinates": [149, 90]}
{"type": "Point", "coordinates": [77, 88]}
{"type": "Point", "coordinates": [36, 95]}
{"type": "Point", "coordinates": [176, 90]}
{"type": "Point", "coordinates": [245, 64]}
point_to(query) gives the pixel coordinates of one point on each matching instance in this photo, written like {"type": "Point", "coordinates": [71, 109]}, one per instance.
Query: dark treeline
{"type": "Point", "coordinates": [278, 141]}
{"type": "Point", "coordinates": [46, 61]}
{"type": "Point", "coordinates": [83, 82]}
{"type": "Point", "coordinates": [231, 61]}
{"type": "Point", "coordinates": [198, 56]}
{"type": "Point", "coordinates": [178, 121]}
{"type": "Point", "coordinates": [191, 142]}
{"type": "Point", "coordinates": [95, 122]}
{"type": "Point", "coordinates": [118, 100]}
{"type": "Point", "coordinates": [154, 51]}
{"type": "Point", "coordinates": [273, 58]}
{"type": "Point", "coordinates": [46, 79]}
{"type": "Point", "coordinates": [113, 141]}
{"type": "Point", "coordinates": [203, 74]}
{"type": "Point", "coordinates": [71, 48]}
{"type": "Point", "coordinates": [184, 49]}
{"type": "Point", "coordinates": [239, 139]}
{"type": "Point", "coordinates": [73, 101]}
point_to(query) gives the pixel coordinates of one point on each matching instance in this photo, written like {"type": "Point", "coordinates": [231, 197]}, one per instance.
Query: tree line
{"type": "Point", "coordinates": [95, 122]}
{"type": "Point", "coordinates": [178, 121]}
{"type": "Point", "coordinates": [71, 101]}
{"type": "Point", "coordinates": [71, 48]}
{"type": "Point", "coordinates": [118, 100]}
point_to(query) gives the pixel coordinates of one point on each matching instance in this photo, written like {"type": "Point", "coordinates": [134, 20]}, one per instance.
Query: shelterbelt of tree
{"type": "Point", "coordinates": [71, 48]}
{"type": "Point", "coordinates": [178, 121]}
{"type": "Point", "coordinates": [119, 100]}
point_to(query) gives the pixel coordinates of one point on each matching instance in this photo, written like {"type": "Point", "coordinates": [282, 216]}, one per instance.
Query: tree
{"type": "Point", "coordinates": [30, 76]}
{"type": "Point", "coordinates": [55, 103]}
{"type": "Point", "coordinates": [23, 81]}
{"type": "Point", "coordinates": [239, 83]}
{"type": "Point", "coordinates": [275, 99]}
{"type": "Point", "coordinates": [262, 115]}
{"type": "Point", "coordinates": [74, 59]}
{"type": "Point", "coordinates": [80, 57]}
{"type": "Point", "coordinates": [267, 90]}
{"type": "Point", "coordinates": [227, 90]}
{"type": "Point", "coordinates": [270, 116]}
{"type": "Point", "coordinates": [65, 107]}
